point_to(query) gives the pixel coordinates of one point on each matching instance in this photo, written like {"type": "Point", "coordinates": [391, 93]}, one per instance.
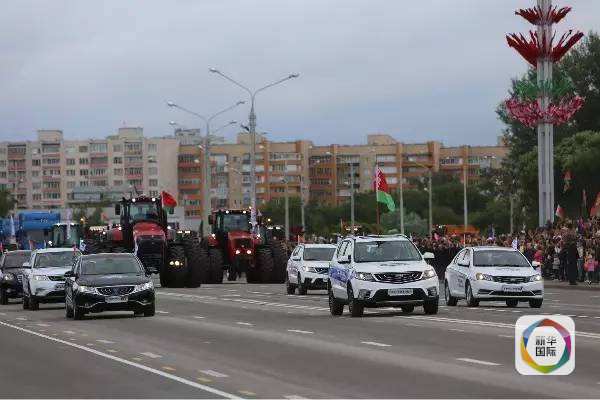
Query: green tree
{"type": "Point", "coordinates": [7, 202]}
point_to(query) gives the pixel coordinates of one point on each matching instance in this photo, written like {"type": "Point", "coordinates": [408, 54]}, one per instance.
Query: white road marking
{"type": "Point", "coordinates": [232, 295]}
{"type": "Point", "coordinates": [300, 331]}
{"type": "Point", "coordinates": [161, 312]}
{"type": "Point", "coordinates": [517, 311]}
{"type": "Point", "coordinates": [151, 355]}
{"type": "Point", "coordinates": [296, 397]}
{"type": "Point", "coordinates": [377, 344]}
{"type": "Point", "coordinates": [213, 373]}
{"type": "Point", "coordinates": [69, 332]}
{"type": "Point", "coordinates": [506, 336]}
{"type": "Point", "coordinates": [480, 362]}
{"type": "Point", "coordinates": [127, 362]}
{"type": "Point", "coordinates": [198, 317]}
{"type": "Point", "coordinates": [21, 318]}
{"type": "Point", "coordinates": [2, 313]}
{"type": "Point", "coordinates": [43, 325]}
{"type": "Point", "coordinates": [245, 323]}
{"type": "Point", "coordinates": [583, 316]}
{"type": "Point", "coordinates": [265, 293]}
{"type": "Point", "coordinates": [105, 341]}
{"type": "Point", "coordinates": [456, 330]}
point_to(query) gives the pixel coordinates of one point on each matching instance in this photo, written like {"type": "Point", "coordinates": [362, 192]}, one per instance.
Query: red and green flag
{"type": "Point", "coordinates": [382, 190]}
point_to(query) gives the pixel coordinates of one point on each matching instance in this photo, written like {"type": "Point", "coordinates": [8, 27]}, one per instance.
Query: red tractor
{"type": "Point", "coordinates": [233, 247]}
{"type": "Point", "coordinates": [178, 258]}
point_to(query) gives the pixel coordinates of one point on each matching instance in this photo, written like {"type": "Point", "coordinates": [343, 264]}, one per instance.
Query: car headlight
{"type": "Point", "coordinates": [308, 269]}
{"type": "Point", "coordinates": [41, 278]}
{"type": "Point", "coordinates": [428, 273]}
{"type": "Point", "coordinates": [535, 278]}
{"type": "Point", "coordinates": [364, 276]}
{"type": "Point", "coordinates": [8, 277]}
{"type": "Point", "coordinates": [237, 251]}
{"type": "Point", "coordinates": [144, 286]}
{"type": "Point", "coordinates": [483, 277]}
{"type": "Point", "coordinates": [83, 289]}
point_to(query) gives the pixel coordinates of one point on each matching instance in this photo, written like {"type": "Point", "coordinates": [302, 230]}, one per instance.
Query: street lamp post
{"type": "Point", "coordinates": [352, 224]}
{"type": "Point", "coordinates": [252, 126]}
{"type": "Point", "coordinates": [401, 186]}
{"type": "Point", "coordinates": [430, 195]}
{"type": "Point", "coordinates": [207, 136]}
{"type": "Point", "coordinates": [287, 201]}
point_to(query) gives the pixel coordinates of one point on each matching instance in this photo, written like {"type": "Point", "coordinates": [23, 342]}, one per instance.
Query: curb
{"type": "Point", "coordinates": [580, 286]}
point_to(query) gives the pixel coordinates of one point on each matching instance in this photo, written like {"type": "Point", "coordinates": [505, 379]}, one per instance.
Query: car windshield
{"type": "Point", "coordinates": [15, 260]}
{"type": "Point", "coordinates": [143, 211]}
{"type": "Point", "coordinates": [318, 254]}
{"type": "Point", "coordinates": [386, 250]}
{"type": "Point", "coordinates": [56, 259]}
{"type": "Point", "coordinates": [235, 222]}
{"type": "Point", "coordinates": [65, 236]}
{"type": "Point", "coordinates": [110, 265]}
{"type": "Point", "coordinates": [494, 258]}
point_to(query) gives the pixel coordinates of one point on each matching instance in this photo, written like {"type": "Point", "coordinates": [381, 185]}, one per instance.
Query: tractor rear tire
{"type": "Point", "coordinates": [216, 265]}
{"type": "Point", "coordinates": [280, 259]}
{"type": "Point", "coordinates": [92, 247]}
{"type": "Point", "coordinates": [197, 262]}
{"type": "Point", "coordinates": [264, 260]}
{"type": "Point", "coordinates": [176, 275]}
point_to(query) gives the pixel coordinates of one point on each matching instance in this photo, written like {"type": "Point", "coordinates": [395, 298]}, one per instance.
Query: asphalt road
{"type": "Point", "coordinates": [254, 341]}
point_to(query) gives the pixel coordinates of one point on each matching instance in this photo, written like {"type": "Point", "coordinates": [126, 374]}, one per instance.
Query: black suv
{"type": "Point", "coordinates": [108, 282]}
{"type": "Point", "coordinates": [11, 267]}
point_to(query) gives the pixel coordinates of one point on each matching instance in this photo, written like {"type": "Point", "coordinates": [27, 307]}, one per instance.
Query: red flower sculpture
{"type": "Point", "coordinates": [529, 113]}
{"type": "Point", "coordinates": [529, 49]}
{"type": "Point", "coordinates": [567, 40]}
{"type": "Point", "coordinates": [535, 15]}
{"type": "Point", "coordinates": [564, 110]}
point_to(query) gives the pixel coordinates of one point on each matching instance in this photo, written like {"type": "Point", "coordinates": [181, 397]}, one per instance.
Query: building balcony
{"type": "Point", "coordinates": [190, 186]}
{"type": "Point", "coordinates": [134, 176]}
{"type": "Point", "coordinates": [51, 178]}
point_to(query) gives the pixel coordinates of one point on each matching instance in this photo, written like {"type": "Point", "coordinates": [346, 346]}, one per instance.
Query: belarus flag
{"type": "Point", "coordinates": [382, 190]}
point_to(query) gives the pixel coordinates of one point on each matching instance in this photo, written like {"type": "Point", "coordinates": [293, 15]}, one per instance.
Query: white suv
{"type": "Point", "coordinates": [378, 271]}
{"type": "Point", "coordinates": [44, 276]}
{"type": "Point", "coordinates": [492, 274]}
{"type": "Point", "coordinates": [308, 267]}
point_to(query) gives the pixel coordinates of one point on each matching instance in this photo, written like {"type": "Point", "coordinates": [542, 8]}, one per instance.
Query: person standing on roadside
{"type": "Point", "coordinates": [571, 256]}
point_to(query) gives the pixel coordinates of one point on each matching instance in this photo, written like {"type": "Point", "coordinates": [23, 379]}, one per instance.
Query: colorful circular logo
{"type": "Point", "coordinates": [566, 354]}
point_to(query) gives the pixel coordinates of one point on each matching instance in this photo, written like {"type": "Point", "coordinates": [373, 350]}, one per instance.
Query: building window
{"type": "Point", "coordinates": [83, 172]}
{"type": "Point", "coordinates": [35, 173]}
{"type": "Point", "coordinates": [153, 193]}
{"type": "Point", "coordinates": [99, 160]}
{"type": "Point", "coordinates": [52, 196]}
{"type": "Point", "coordinates": [117, 183]}
{"type": "Point", "coordinates": [98, 172]}
{"type": "Point", "coordinates": [98, 147]}
{"type": "Point", "coordinates": [117, 160]}
{"type": "Point", "coordinates": [153, 182]}
{"type": "Point", "coordinates": [35, 163]}
{"type": "Point", "coordinates": [100, 183]}
{"type": "Point", "coordinates": [70, 161]}
{"type": "Point", "coordinates": [70, 172]}
{"type": "Point", "coordinates": [118, 171]}
{"type": "Point", "coordinates": [117, 148]}
{"type": "Point", "coordinates": [135, 182]}
{"type": "Point", "coordinates": [83, 161]}
{"type": "Point", "coordinates": [83, 149]}
{"type": "Point", "coordinates": [36, 185]}
{"type": "Point", "coordinates": [70, 184]}
{"type": "Point", "coordinates": [152, 171]}
{"type": "Point", "coordinates": [51, 161]}
{"type": "Point", "coordinates": [133, 147]}
{"type": "Point", "coordinates": [152, 147]}
{"type": "Point", "coordinates": [133, 171]}
{"type": "Point", "coordinates": [83, 183]}
{"type": "Point", "coordinates": [37, 197]}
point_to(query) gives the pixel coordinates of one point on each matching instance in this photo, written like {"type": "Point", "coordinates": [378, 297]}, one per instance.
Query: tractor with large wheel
{"type": "Point", "coordinates": [178, 259]}
{"type": "Point", "coordinates": [234, 249]}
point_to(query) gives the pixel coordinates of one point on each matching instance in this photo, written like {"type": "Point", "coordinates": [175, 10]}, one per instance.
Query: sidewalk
{"type": "Point", "coordinates": [565, 285]}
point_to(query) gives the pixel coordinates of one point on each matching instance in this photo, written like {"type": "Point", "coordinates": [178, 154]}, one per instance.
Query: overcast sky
{"type": "Point", "coordinates": [417, 70]}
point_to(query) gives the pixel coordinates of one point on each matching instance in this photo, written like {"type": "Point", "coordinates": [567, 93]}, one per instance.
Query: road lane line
{"type": "Point", "coordinates": [377, 344]}
{"type": "Point", "coordinates": [300, 331]}
{"type": "Point", "coordinates": [69, 332]}
{"type": "Point", "coordinates": [205, 380]}
{"type": "Point", "coordinates": [583, 316]}
{"type": "Point", "coordinates": [151, 355]}
{"type": "Point", "coordinates": [127, 362]}
{"type": "Point", "coordinates": [247, 393]}
{"type": "Point", "coordinates": [244, 323]}
{"type": "Point", "coordinates": [198, 317]}
{"type": "Point", "coordinates": [105, 341]}
{"type": "Point", "coordinates": [43, 325]}
{"type": "Point", "coordinates": [161, 312]}
{"type": "Point", "coordinates": [480, 362]}
{"type": "Point", "coordinates": [456, 330]}
{"type": "Point", "coordinates": [213, 373]}
{"type": "Point", "coordinates": [21, 318]}
{"type": "Point", "coordinates": [167, 368]}
{"type": "Point", "coordinates": [506, 336]}
{"type": "Point", "coordinates": [294, 397]}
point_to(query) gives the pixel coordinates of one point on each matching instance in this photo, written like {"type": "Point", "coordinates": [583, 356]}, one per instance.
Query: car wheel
{"type": "Point", "coordinates": [471, 300]}
{"type": "Point", "coordinates": [150, 310]}
{"type": "Point", "coordinates": [450, 300]}
{"type": "Point", "coordinates": [25, 302]}
{"type": "Point", "coordinates": [355, 306]}
{"type": "Point", "coordinates": [336, 307]}
{"type": "Point", "coordinates": [290, 287]}
{"type": "Point", "coordinates": [512, 303]}
{"type": "Point", "coordinates": [68, 310]}
{"type": "Point", "coordinates": [536, 303]}
{"type": "Point", "coordinates": [78, 312]}
{"type": "Point", "coordinates": [302, 289]}
{"type": "Point", "coordinates": [407, 309]}
{"type": "Point", "coordinates": [3, 296]}
{"type": "Point", "coordinates": [34, 304]}
{"type": "Point", "coordinates": [431, 307]}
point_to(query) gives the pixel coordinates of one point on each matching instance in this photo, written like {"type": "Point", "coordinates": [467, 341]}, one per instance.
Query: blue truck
{"type": "Point", "coordinates": [34, 228]}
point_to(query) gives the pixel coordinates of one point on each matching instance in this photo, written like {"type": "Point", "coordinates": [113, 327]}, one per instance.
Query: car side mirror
{"type": "Point", "coordinates": [345, 260]}
{"type": "Point", "coordinates": [463, 264]}
{"type": "Point", "coordinates": [428, 255]}
{"type": "Point", "coordinates": [26, 264]}
{"type": "Point", "coordinates": [296, 258]}
{"type": "Point", "coordinates": [535, 264]}
{"type": "Point", "coordinates": [117, 209]}
{"type": "Point", "coordinates": [69, 274]}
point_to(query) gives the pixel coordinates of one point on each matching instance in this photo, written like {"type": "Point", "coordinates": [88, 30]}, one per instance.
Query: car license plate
{"type": "Point", "coordinates": [116, 299]}
{"type": "Point", "coordinates": [400, 292]}
{"type": "Point", "coordinates": [60, 286]}
{"type": "Point", "coordinates": [512, 289]}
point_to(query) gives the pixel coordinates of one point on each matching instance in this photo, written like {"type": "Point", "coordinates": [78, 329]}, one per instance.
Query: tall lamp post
{"type": "Point", "coordinates": [207, 136]}
{"type": "Point", "coordinates": [252, 126]}
{"type": "Point", "coordinates": [430, 195]}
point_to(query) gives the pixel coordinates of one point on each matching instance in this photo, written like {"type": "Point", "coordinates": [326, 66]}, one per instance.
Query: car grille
{"type": "Point", "coordinates": [399, 277]}
{"type": "Point", "coordinates": [56, 278]}
{"type": "Point", "coordinates": [322, 270]}
{"type": "Point", "coordinates": [115, 290]}
{"type": "Point", "coordinates": [511, 279]}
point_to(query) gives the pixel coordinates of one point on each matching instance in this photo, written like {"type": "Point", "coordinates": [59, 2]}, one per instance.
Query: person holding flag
{"type": "Point", "coordinates": [382, 191]}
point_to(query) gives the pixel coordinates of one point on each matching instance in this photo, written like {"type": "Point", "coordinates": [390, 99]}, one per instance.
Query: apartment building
{"type": "Point", "coordinates": [52, 172]}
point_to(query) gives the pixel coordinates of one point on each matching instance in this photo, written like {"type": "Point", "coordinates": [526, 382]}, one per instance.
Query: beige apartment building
{"type": "Point", "coordinates": [53, 172]}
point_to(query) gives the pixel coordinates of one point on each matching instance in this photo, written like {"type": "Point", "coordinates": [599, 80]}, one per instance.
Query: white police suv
{"type": "Point", "coordinates": [44, 276]}
{"type": "Point", "coordinates": [377, 271]}
{"type": "Point", "coordinates": [308, 267]}
{"type": "Point", "coordinates": [492, 274]}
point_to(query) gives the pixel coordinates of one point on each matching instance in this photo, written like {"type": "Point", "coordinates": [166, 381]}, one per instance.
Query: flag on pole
{"type": "Point", "coordinates": [69, 214]}
{"type": "Point", "coordinates": [382, 190]}
{"type": "Point", "coordinates": [560, 212]}
{"type": "Point", "coordinates": [567, 179]}
{"type": "Point", "coordinates": [168, 200]}
{"type": "Point", "coordinates": [12, 226]}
